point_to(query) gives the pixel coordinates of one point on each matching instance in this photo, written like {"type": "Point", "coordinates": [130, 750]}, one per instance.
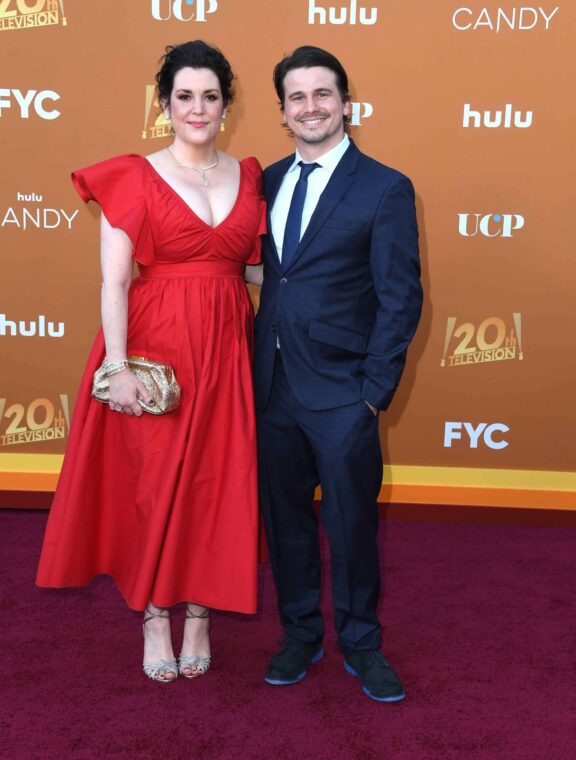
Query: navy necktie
{"type": "Point", "coordinates": [294, 220]}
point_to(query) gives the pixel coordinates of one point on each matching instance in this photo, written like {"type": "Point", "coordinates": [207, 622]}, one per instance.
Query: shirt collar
{"type": "Point", "coordinates": [328, 160]}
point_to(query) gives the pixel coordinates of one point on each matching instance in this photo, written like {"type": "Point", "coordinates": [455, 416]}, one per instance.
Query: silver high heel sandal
{"type": "Point", "coordinates": [158, 670]}
{"type": "Point", "coordinates": [194, 661]}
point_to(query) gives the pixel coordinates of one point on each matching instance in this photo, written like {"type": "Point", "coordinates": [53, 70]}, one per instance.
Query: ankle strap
{"type": "Point", "coordinates": [162, 612]}
{"type": "Point", "coordinates": [190, 614]}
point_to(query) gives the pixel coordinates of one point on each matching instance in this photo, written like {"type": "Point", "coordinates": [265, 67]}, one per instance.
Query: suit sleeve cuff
{"type": "Point", "coordinates": [376, 395]}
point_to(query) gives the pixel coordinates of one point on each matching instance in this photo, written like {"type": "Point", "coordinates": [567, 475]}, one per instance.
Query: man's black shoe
{"type": "Point", "coordinates": [376, 675]}
{"type": "Point", "coordinates": [290, 664]}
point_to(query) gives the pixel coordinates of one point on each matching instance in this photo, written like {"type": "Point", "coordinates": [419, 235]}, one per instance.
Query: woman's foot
{"type": "Point", "coordinates": [159, 661]}
{"type": "Point", "coordinates": [195, 658]}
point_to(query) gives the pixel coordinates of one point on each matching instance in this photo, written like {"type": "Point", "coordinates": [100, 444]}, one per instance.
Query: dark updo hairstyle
{"type": "Point", "coordinates": [196, 55]}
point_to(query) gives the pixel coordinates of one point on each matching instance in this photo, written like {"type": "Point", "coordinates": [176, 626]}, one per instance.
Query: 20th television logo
{"type": "Point", "coordinates": [155, 123]}
{"type": "Point", "coordinates": [493, 340]}
{"type": "Point", "coordinates": [40, 420]}
{"type": "Point", "coordinates": [24, 14]}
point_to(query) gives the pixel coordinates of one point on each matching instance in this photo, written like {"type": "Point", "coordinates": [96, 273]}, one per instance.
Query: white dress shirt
{"type": "Point", "coordinates": [317, 181]}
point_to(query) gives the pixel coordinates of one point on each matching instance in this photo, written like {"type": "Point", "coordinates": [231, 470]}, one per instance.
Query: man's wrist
{"type": "Point", "coordinates": [372, 408]}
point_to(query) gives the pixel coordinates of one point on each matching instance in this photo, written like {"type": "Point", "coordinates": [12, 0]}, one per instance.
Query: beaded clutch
{"type": "Point", "coordinates": [159, 380]}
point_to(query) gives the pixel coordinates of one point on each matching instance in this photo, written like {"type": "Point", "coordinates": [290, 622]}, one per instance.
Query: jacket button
{"type": "Point", "coordinates": [283, 281]}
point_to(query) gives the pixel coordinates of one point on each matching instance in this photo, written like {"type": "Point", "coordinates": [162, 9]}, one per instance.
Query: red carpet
{"type": "Point", "coordinates": [478, 620]}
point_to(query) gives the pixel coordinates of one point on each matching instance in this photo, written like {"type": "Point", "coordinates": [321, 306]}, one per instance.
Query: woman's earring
{"type": "Point", "coordinates": [222, 125]}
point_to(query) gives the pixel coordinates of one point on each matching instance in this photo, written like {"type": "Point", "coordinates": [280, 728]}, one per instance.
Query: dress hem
{"type": "Point", "coordinates": [137, 608]}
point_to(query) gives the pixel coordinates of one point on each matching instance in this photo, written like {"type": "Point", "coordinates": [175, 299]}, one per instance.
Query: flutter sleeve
{"type": "Point", "coordinates": [255, 171]}
{"type": "Point", "coordinates": [118, 187]}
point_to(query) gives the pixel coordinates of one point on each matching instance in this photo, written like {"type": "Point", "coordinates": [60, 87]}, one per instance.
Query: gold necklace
{"type": "Point", "coordinates": [201, 171]}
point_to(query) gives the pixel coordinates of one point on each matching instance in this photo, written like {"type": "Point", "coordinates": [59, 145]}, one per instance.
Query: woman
{"type": "Point", "coordinates": [167, 504]}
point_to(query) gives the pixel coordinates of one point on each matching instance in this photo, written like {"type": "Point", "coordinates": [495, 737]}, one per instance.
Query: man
{"type": "Point", "coordinates": [339, 305]}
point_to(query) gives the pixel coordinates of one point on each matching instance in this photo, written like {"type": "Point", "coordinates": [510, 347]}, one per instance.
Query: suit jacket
{"type": "Point", "coordinates": [347, 305]}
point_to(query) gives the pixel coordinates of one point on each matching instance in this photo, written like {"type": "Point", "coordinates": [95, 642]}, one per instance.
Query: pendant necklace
{"type": "Point", "coordinates": [201, 171]}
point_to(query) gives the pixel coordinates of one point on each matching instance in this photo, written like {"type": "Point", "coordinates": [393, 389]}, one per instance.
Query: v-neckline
{"type": "Point", "coordinates": [187, 205]}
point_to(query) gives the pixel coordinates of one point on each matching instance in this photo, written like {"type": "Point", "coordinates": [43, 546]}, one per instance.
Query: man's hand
{"type": "Point", "coordinates": [372, 408]}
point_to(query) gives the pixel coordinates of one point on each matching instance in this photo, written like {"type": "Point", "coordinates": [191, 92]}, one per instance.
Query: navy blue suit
{"type": "Point", "coordinates": [344, 312]}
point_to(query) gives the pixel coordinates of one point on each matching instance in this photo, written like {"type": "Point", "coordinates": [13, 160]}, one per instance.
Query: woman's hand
{"type": "Point", "coordinates": [124, 391]}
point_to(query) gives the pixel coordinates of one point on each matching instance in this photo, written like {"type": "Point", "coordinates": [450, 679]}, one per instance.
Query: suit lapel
{"type": "Point", "coordinates": [338, 185]}
{"type": "Point", "coordinates": [273, 180]}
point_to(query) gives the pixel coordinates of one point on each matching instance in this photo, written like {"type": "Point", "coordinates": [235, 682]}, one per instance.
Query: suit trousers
{"type": "Point", "coordinates": [339, 449]}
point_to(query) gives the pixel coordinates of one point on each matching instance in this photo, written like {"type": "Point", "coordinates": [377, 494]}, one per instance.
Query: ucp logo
{"type": "Point", "coordinates": [191, 10]}
{"type": "Point", "coordinates": [482, 432]}
{"type": "Point", "coordinates": [490, 225]}
{"type": "Point", "coordinates": [26, 100]}
{"type": "Point", "coordinates": [359, 111]}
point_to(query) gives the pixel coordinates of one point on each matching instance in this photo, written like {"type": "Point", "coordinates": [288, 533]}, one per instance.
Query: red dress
{"type": "Point", "coordinates": [167, 505]}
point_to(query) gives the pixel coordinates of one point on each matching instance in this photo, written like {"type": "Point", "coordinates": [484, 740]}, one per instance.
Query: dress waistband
{"type": "Point", "coordinates": [192, 269]}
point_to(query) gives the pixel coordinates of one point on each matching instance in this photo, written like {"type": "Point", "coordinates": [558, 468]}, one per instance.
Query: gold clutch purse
{"type": "Point", "coordinates": [159, 380]}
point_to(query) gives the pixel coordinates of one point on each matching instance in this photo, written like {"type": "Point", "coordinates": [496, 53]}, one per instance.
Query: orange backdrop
{"type": "Point", "coordinates": [467, 98]}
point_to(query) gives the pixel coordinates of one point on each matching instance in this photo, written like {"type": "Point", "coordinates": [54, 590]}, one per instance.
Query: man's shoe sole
{"type": "Point", "coordinates": [277, 682]}
{"type": "Point", "coordinates": [398, 698]}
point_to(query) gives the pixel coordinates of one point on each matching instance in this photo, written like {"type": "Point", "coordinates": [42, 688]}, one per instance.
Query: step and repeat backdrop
{"type": "Point", "coordinates": [470, 99]}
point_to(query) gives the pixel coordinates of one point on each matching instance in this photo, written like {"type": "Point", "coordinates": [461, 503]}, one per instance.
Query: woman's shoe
{"type": "Point", "coordinates": [158, 671]}
{"type": "Point", "coordinates": [194, 661]}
